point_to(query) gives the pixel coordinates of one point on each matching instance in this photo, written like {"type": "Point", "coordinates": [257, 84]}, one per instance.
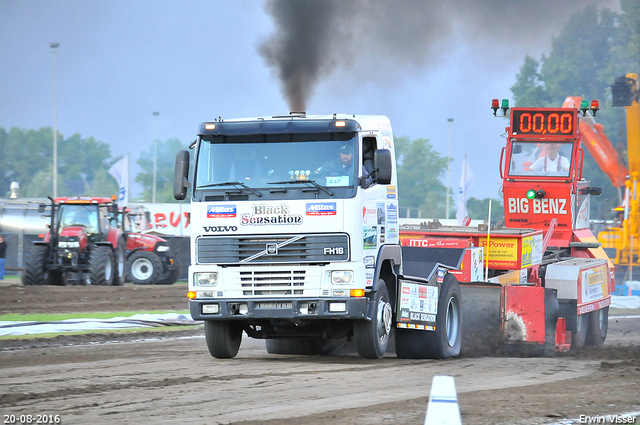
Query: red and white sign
{"type": "Point", "coordinates": [169, 219]}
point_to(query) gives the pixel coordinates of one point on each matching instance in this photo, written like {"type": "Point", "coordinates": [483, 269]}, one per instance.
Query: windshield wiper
{"type": "Point", "coordinates": [311, 182]}
{"type": "Point", "coordinates": [258, 194]}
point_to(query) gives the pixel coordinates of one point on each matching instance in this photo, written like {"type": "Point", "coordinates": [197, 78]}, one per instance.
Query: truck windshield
{"type": "Point", "coordinates": [268, 161]}
{"type": "Point", "coordinates": [541, 159]}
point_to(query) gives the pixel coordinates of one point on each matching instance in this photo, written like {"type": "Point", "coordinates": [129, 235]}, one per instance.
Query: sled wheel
{"type": "Point", "coordinates": [372, 337]}
{"type": "Point", "coordinates": [598, 326]}
{"type": "Point", "coordinates": [223, 338]}
{"type": "Point", "coordinates": [579, 337]}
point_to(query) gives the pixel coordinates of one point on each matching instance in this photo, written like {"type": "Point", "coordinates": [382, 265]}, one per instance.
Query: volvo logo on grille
{"type": "Point", "coordinates": [272, 249]}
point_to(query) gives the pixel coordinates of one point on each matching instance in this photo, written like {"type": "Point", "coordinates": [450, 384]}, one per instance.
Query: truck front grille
{"type": "Point", "coordinates": [270, 283]}
{"type": "Point", "coordinates": [299, 249]}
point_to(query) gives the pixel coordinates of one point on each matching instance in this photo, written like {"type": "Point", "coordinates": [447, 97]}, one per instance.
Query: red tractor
{"type": "Point", "coordinates": [149, 259]}
{"type": "Point", "coordinates": [92, 241]}
{"type": "Point", "coordinates": [84, 245]}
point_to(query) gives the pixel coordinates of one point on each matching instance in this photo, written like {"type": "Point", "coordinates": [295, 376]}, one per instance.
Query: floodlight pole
{"type": "Point", "coordinates": [54, 46]}
{"type": "Point", "coordinates": [155, 156]}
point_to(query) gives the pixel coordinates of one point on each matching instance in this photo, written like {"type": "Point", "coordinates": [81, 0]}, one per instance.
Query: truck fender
{"type": "Point", "coordinates": [387, 269]}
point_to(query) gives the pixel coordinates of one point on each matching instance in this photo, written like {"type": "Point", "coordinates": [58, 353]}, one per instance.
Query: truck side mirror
{"type": "Point", "coordinates": [383, 166]}
{"type": "Point", "coordinates": [41, 208]}
{"type": "Point", "coordinates": [180, 182]}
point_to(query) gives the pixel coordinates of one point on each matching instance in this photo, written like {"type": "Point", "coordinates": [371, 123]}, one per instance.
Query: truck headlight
{"type": "Point", "coordinates": [205, 279]}
{"type": "Point", "coordinates": [341, 277]}
{"type": "Point", "coordinates": [163, 248]}
{"type": "Point", "coordinates": [70, 244]}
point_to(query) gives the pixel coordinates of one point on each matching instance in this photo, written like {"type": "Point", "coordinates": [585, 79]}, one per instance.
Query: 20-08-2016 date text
{"type": "Point", "coordinates": [31, 419]}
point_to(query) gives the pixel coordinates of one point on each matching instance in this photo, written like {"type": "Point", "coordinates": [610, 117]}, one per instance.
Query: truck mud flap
{"type": "Point", "coordinates": [481, 318]}
{"type": "Point", "coordinates": [423, 262]}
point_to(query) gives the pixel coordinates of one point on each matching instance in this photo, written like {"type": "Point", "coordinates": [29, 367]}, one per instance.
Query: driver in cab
{"type": "Point", "coordinates": [552, 161]}
{"type": "Point", "coordinates": [344, 166]}
{"type": "Point", "coordinates": [79, 217]}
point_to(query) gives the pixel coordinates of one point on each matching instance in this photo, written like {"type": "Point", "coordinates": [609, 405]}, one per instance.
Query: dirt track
{"type": "Point", "coordinates": [169, 377]}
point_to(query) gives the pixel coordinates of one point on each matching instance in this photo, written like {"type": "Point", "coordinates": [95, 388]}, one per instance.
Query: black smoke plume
{"type": "Point", "coordinates": [314, 38]}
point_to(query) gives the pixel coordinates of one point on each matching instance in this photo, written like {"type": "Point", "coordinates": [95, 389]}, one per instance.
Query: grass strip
{"type": "Point", "coordinates": [55, 317]}
{"type": "Point", "coordinates": [113, 331]}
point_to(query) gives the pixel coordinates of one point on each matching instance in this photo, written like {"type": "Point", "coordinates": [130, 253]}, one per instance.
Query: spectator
{"type": "Point", "coordinates": [3, 255]}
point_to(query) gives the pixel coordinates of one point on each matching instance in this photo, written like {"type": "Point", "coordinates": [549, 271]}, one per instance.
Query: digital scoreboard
{"type": "Point", "coordinates": [544, 123]}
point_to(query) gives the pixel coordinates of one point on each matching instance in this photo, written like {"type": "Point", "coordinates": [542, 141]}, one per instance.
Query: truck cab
{"type": "Point", "coordinates": [294, 231]}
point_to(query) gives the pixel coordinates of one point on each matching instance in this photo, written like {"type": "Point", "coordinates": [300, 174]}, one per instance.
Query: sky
{"type": "Point", "coordinates": [418, 62]}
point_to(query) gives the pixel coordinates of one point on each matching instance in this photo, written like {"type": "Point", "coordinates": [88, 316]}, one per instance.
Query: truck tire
{"type": "Point", "coordinates": [579, 336]}
{"type": "Point", "coordinates": [304, 347]}
{"type": "Point", "coordinates": [171, 277]}
{"type": "Point", "coordinates": [144, 268]}
{"type": "Point", "coordinates": [372, 337]}
{"type": "Point", "coordinates": [119, 263]}
{"type": "Point", "coordinates": [223, 338]}
{"type": "Point", "coordinates": [35, 272]}
{"type": "Point", "coordinates": [598, 326]}
{"type": "Point", "coordinates": [446, 340]}
{"type": "Point", "coordinates": [101, 270]}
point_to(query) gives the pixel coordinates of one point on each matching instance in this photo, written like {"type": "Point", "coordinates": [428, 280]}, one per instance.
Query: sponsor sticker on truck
{"type": "Point", "coordinates": [418, 305]}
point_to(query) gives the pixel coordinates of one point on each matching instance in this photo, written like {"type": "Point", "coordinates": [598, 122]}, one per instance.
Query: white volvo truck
{"type": "Point", "coordinates": [295, 240]}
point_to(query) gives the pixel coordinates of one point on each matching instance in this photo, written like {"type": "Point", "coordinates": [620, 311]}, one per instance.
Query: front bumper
{"type": "Point", "coordinates": [355, 308]}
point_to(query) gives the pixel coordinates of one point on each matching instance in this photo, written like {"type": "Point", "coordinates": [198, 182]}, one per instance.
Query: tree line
{"type": "Point", "coordinates": [27, 158]}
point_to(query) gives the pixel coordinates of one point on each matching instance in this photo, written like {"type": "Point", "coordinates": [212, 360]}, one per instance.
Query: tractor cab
{"type": "Point", "coordinates": [84, 216]}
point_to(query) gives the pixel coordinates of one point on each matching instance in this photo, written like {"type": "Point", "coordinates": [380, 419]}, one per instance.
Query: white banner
{"type": "Point", "coordinates": [169, 219]}
{"type": "Point", "coordinates": [120, 171]}
{"type": "Point", "coordinates": [466, 183]}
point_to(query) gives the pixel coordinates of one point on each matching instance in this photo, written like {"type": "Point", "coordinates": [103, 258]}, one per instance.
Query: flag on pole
{"type": "Point", "coordinates": [120, 171]}
{"type": "Point", "coordinates": [466, 183]}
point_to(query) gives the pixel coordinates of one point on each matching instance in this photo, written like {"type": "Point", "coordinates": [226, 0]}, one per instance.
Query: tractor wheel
{"type": "Point", "coordinates": [101, 270]}
{"type": "Point", "coordinates": [446, 340]}
{"type": "Point", "coordinates": [171, 277]}
{"type": "Point", "coordinates": [119, 263]}
{"type": "Point", "coordinates": [35, 272]}
{"type": "Point", "coordinates": [372, 337]}
{"type": "Point", "coordinates": [598, 326]}
{"type": "Point", "coordinates": [305, 347]}
{"type": "Point", "coordinates": [223, 338]}
{"type": "Point", "coordinates": [144, 268]}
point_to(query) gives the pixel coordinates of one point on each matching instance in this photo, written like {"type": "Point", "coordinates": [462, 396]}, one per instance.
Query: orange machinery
{"type": "Point", "coordinates": [622, 240]}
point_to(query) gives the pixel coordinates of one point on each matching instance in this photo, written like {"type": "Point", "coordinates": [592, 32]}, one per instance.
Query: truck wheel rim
{"type": "Point", "coordinates": [452, 324]}
{"type": "Point", "coordinates": [384, 320]}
